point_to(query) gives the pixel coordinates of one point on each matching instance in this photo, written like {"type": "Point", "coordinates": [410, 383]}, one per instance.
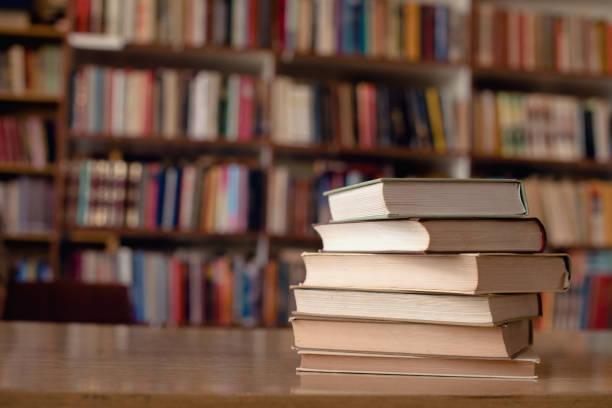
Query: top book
{"type": "Point", "coordinates": [412, 197]}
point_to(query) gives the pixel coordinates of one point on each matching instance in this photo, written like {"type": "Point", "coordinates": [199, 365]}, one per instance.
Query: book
{"type": "Point", "coordinates": [435, 235]}
{"type": "Point", "coordinates": [355, 335]}
{"type": "Point", "coordinates": [408, 197]}
{"type": "Point", "coordinates": [30, 69]}
{"type": "Point", "coordinates": [490, 310]}
{"type": "Point", "coordinates": [452, 273]}
{"type": "Point", "coordinates": [522, 366]}
{"type": "Point", "coordinates": [26, 205]}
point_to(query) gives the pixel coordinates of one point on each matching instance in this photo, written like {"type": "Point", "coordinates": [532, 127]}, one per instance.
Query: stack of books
{"type": "Point", "coordinates": [426, 277]}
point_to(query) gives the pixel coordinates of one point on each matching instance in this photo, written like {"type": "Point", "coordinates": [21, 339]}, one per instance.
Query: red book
{"type": "Point", "coordinates": [522, 43]}
{"type": "Point", "coordinates": [602, 300]}
{"type": "Point", "coordinates": [10, 137]}
{"type": "Point", "coordinates": [281, 9]}
{"type": "Point", "coordinates": [253, 12]}
{"type": "Point", "coordinates": [500, 28]}
{"type": "Point", "coordinates": [428, 31]}
{"type": "Point", "coordinates": [246, 106]}
{"type": "Point", "coordinates": [363, 122]}
{"type": "Point", "coordinates": [82, 9]}
{"type": "Point", "coordinates": [2, 140]}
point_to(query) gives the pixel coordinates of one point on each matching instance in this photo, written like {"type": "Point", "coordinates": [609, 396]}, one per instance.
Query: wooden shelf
{"type": "Point", "coordinates": [369, 64]}
{"type": "Point", "coordinates": [582, 167]}
{"type": "Point", "coordinates": [26, 169]}
{"type": "Point", "coordinates": [295, 240]}
{"type": "Point", "coordinates": [37, 237]}
{"type": "Point", "coordinates": [159, 145]}
{"type": "Point", "coordinates": [383, 153]}
{"type": "Point", "coordinates": [35, 31]}
{"type": "Point", "coordinates": [29, 97]}
{"type": "Point", "coordinates": [95, 234]}
{"type": "Point", "coordinates": [553, 81]}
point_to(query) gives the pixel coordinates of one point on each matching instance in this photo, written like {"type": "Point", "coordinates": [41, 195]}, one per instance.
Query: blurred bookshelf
{"type": "Point", "coordinates": [199, 92]}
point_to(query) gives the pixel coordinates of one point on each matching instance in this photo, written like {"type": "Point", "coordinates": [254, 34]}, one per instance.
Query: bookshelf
{"type": "Point", "coordinates": [463, 77]}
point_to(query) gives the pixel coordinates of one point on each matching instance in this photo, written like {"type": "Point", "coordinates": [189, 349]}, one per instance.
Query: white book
{"type": "Point", "coordinates": [199, 23]}
{"type": "Point", "coordinates": [124, 266]}
{"type": "Point", "coordinates": [171, 105]}
{"type": "Point", "coordinates": [281, 110]}
{"type": "Point", "coordinates": [277, 201]}
{"type": "Point", "coordinates": [197, 105]}
{"type": "Point", "coordinates": [301, 102]}
{"type": "Point", "coordinates": [325, 40]}
{"type": "Point", "coordinates": [118, 91]}
{"type": "Point", "coordinates": [112, 17]}
{"type": "Point", "coordinates": [129, 21]}
{"type": "Point", "coordinates": [132, 102]}
{"type": "Point", "coordinates": [602, 139]}
{"type": "Point", "coordinates": [239, 23]}
{"type": "Point", "coordinates": [187, 192]}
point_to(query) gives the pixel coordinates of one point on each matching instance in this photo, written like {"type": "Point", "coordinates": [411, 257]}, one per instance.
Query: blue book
{"type": "Point", "coordinates": [84, 192]}
{"type": "Point", "coordinates": [137, 289]}
{"type": "Point", "coordinates": [161, 179]}
{"type": "Point", "coordinates": [441, 21]}
{"type": "Point", "coordinates": [357, 20]}
{"type": "Point", "coordinates": [585, 302]}
{"type": "Point", "coordinates": [177, 197]}
{"type": "Point", "coordinates": [365, 22]}
{"type": "Point", "coordinates": [348, 29]}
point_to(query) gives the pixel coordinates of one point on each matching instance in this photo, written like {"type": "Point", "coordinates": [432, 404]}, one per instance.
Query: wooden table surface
{"type": "Point", "coordinates": [87, 365]}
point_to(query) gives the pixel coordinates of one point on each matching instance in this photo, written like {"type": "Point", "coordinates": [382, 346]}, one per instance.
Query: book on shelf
{"type": "Point", "coordinates": [30, 269]}
{"type": "Point", "coordinates": [367, 115]}
{"type": "Point", "coordinates": [542, 39]}
{"type": "Point", "coordinates": [522, 366]}
{"type": "Point", "coordinates": [31, 70]}
{"type": "Point", "coordinates": [434, 235]}
{"type": "Point", "coordinates": [194, 287]}
{"type": "Point", "coordinates": [439, 273]}
{"type": "Point", "coordinates": [487, 310]}
{"type": "Point", "coordinates": [379, 336]}
{"type": "Point", "coordinates": [413, 197]}
{"type": "Point", "coordinates": [298, 184]}
{"type": "Point", "coordinates": [169, 103]}
{"type": "Point", "coordinates": [215, 198]}
{"type": "Point", "coordinates": [541, 126]}
{"type": "Point", "coordinates": [27, 139]}
{"type": "Point", "coordinates": [411, 30]}
{"type": "Point", "coordinates": [26, 205]}
{"type": "Point", "coordinates": [575, 213]}
{"type": "Point", "coordinates": [588, 303]}
{"type": "Point", "coordinates": [14, 19]}
{"type": "Point", "coordinates": [193, 23]}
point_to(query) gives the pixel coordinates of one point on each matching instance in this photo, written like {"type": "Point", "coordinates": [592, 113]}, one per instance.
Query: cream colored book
{"type": "Point", "coordinates": [382, 336]}
{"type": "Point", "coordinates": [439, 273]}
{"type": "Point", "coordinates": [485, 310]}
{"type": "Point", "coordinates": [435, 235]}
{"type": "Point", "coordinates": [416, 197]}
{"type": "Point", "coordinates": [523, 366]}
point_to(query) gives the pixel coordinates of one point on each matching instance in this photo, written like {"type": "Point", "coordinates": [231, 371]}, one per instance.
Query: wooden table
{"type": "Point", "coordinates": [46, 365]}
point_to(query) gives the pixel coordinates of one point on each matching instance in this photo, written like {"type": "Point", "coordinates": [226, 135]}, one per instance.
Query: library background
{"type": "Point", "coordinates": [162, 162]}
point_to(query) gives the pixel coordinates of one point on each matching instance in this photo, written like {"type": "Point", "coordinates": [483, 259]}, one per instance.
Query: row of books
{"type": "Point", "coordinates": [287, 185]}
{"type": "Point", "coordinates": [398, 29]}
{"type": "Point", "coordinates": [367, 115]}
{"type": "Point", "coordinates": [30, 269]}
{"type": "Point", "coordinates": [36, 70]}
{"type": "Point", "coordinates": [576, 213]}
{"type": "Point", "coordinates": [26, 205]}
{"type": "Point", "coordinates": [536, 125]}
{"type": "Point", "coordinates": [193, 287]}
{"type": "Point", "coordinates": [588, 303]}
{"type": "Point", "coordinates": [216, 198]}
{"type": "Point", "coordinates": [236, 23]}
{"type": "Point", "coordinates": [518, 38]}
{"type": "Point", "coordinates": [27, 139]}
{"type": "Point", "coordinates": [200, 105]}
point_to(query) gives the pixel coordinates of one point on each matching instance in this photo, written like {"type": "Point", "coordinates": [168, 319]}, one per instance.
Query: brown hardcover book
{"type": "Point", "coordinates": [433, 235]}
{"type": "Point", "coordinates": [523, 366]}
{"type": "Point", "coordinates": [450, 273]}
{"type": "Point", "coordinates": [378, 336]}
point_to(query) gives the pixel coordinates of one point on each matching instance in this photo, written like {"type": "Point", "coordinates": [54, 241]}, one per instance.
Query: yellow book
{"type": "Point", "coordinates": [412, 27]}
{"type": "Point", "coordinates": [435, 118]}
